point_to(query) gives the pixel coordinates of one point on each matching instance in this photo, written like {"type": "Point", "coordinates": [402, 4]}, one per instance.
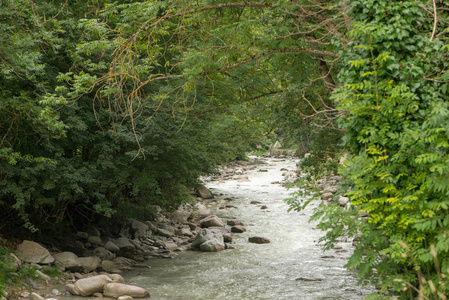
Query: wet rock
{"type": "Point", "coordinates": [205, 235]}
{"type": "Point", "coordinates": [238, 229]}
{"type": "Point", "coordinates": [170, 245]}
{"type": "Point", "coordinates": [255, 202]}
{"type": "Point", "coordinates": [204, 192]}
{"type": "Point", "coordinates": [308, 279]}
{"type": "Point", "coordinates": [213, 245]}
{"type": "Point", "coordinates": [227, 237]}
{"type": "Point", "coordinates": [243, 178]}
{"type": "Point", "coordinates": [32, 252]}
{"type": "Point", "coordinates": [211, 221]}
{"type": "Point", "coordinates": [116, 290]}
{"type": "Point", "coordinates": [234, 222]}
{"type": "Point", "coordinates": [91, 285]}
{"type": "Point", "coordinates": [258, 240]}
{"type": "Point", "coordinates": [55, 292]}
{"type": "Point", "coordinates": [264, 207]}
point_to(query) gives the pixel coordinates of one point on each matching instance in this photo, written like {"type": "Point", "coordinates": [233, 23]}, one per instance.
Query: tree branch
{"type": "Point", "coordinates": [147, 26]}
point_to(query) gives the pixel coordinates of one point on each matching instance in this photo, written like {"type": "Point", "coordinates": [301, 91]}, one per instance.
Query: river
{"type": "Point", "coordinates": [253, 271]}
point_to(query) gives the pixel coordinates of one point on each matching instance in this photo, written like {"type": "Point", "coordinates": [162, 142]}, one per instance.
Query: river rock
{"type": "Point", "coordinates": [89, 263]}
{"type": "Point", "coordinates": [234, 222]}
{"type": "Point", "coordinates": [69, 261]}
{"type": "Point", "coordinates": [238, 229]}
{"type": "Point", "coordinates": [43, 276]}
{"type": "Point", "coordinates": [116, 290]}
{"type": "Point", "coordinates": [32, 252]}
{"type": "Point", "coordinates": [258, 240]}
{"type": "Point", "coordinates": [82, 235]}
{"type": "Point", "coordinates": [211, 221]}
{"type": "Point", "coordinates": [111, 246]}
{"type": "Point", "coordinates": [103, 253]}
{"type": "Point", "coordinates": [140, 229]}
{"type": "Point", "coordinates": [91, 285]}
{"type": "Point", "coordinates": [126, 247]}
{"type": "Point", "coordinates": [165, 232]}
{"type": "Point", "coordinates": [34, 296]}
{"type": "Point", "coordinates": [184, 232]}
{"type": "Point", "coordinates": [94, 240]}
{"type": "Point", "coordinates": [213, 245]}
{"type": "Point", "coordinates": [205, 235]}
{"type": "Point", "coordinates": [71, 289]}
{"type": "Point", "coordinates": [204, 192]}
{"type": "Point", "coordinates": [202, 211]}
{"type": "Point", "coordinates": [116, 278]}
{"type": "Point", "coordinates": [125, 298]}
{"type": "Point", "coordinates": [227, 237]}
{"type": "Point", "coordinates": [93, 231]}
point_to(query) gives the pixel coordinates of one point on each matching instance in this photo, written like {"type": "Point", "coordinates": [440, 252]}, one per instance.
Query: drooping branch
{"type": "Point", "coordinates": [147, 25]}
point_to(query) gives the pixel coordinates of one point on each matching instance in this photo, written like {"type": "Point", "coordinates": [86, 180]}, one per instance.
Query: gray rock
{"type": "Point", "coordinates": [55, 292]}
{"type": "Point", "coordinates": [116, 290]}
{"type": "Point", "coordinates": [140, 229]}
{"type": "Point", "coordinates": [82, 235]}
{"type": "Point", "coordinates": [32, 252]}
{"type": "Point", "coordinates": [109, 266]}
{"type": "Point", "coordinates": [103, 253]}
{"type": "Point", "coordinates": [205, 235]}
{"type": "Point", "coordinates": [227, 237]}
{"type": "Point", "coordinates": [93, 231]}
{"type": "Point", "coordinates": [111, 246]}
{"type": "Point", "coordinates": [125, 298]}
{"type": "Point", "coordinates": [69, 261]}
{"type": "Point", "coordinates": [164, 232]}
{"type": "Point", "coordinates": [12, 263]}
{"type": "Point", "coordinates": [151, 226]}
{"type": "Point", "coordinates": [124, 244]}
{"type": "Point", "coordinates": [33, 284]}
{"type": "Point", "coordinates": [202, 211]}
{"type": "Point", "coordinates": [116, 278]}
{"type": "Point", "coordinates": [211, 221]}
{"type": "Point", "coordinates": [89, 263]}
{"type": "Point", "coordinates": [238, 229]}
{"type": "Point", "coordinates": [213, 245]}
{"type": "Point", "coordinates": [258, 240]}
{"type": "Point", "coordinates": [94, 240]}
{"type": "Point", "coordinates": [204, 192]}
{"type": "Point", "coordinates": [184, 232]}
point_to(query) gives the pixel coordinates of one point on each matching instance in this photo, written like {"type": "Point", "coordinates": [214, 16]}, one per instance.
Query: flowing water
{"type": "Point", "coordinates": [253, 271]}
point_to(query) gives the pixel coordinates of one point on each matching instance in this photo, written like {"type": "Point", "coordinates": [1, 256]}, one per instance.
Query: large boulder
{"type": "Point", "coordinates": [206, 235]}
{"type": "Point", "coordinates": [32, 252]}
{"type": "Point", "coordinates": [91, 285]}
{"type": "Point", "coordinates": [116, 290]}
{"type": "Point", "coordinates": [69, 261]}
{"type": "Point", "coordinates": [204, 192]}
{"type": "Point", "coordinates": [127, 249]}
{"type": "Point", "coordinates": [211, 221]}
{"type": "Point", "coordinates": [213, 245]}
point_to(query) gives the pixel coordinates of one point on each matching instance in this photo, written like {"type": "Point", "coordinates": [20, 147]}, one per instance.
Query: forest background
{"type": "Point", "coordinates": [111, 107]}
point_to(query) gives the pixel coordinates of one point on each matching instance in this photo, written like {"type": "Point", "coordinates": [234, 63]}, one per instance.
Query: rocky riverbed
{"type": "Point", "coordinates": [211, 225]}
